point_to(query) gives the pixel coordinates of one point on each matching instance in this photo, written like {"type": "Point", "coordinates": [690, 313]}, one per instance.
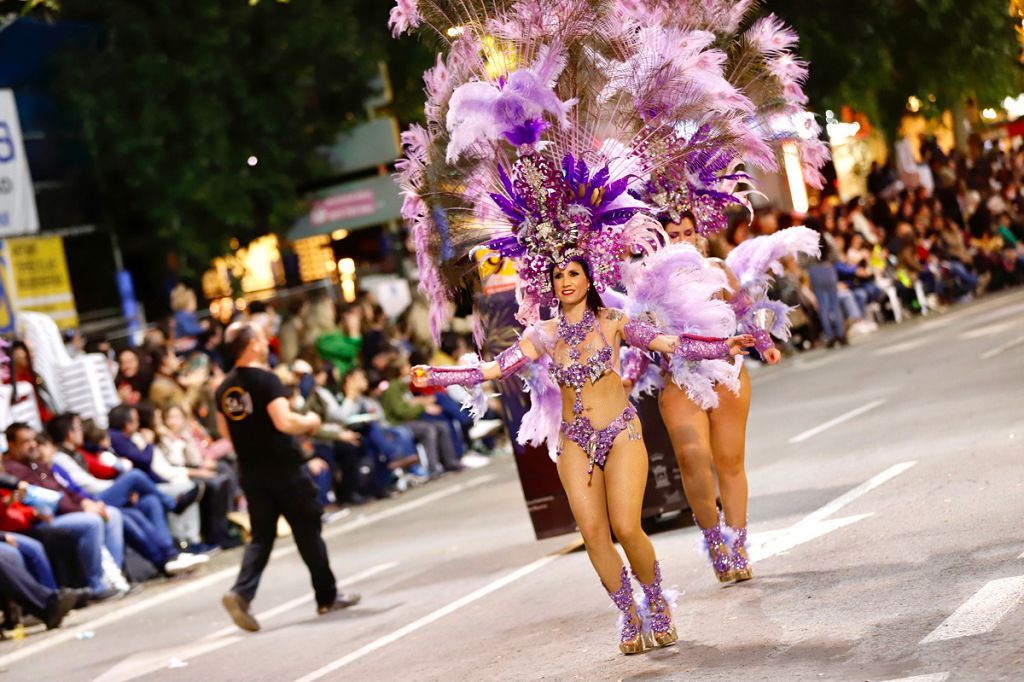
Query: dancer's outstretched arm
{"type": "Point", "coordinates": [507, 363]}
{"type": "Point", "coordinates": [645, 335]}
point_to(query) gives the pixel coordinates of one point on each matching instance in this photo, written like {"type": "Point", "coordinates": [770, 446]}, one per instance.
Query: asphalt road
{"type": "Point", "coordinates": [887, 499]}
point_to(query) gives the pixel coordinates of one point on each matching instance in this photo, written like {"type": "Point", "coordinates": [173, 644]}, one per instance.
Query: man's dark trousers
{"type": "Point", "coordinates": [293, 495]}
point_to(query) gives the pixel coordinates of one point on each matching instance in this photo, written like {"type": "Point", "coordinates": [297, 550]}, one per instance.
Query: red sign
{"type": "Point", "coordinates": [345, 206]}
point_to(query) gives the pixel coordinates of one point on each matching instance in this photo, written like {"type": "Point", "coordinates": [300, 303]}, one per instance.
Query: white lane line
{"type": "Point", "coordinates": [363, 521]}
{"type": "Point", "coordinates": [989, 330]}
{"type": "Point", "coordinates": [1021, 556]}
{"type": "Point", "coordinates": [148, 662]}
{"type": "Point", "coordinates": [982, 612]}
{"type": "Point", "coordinates": [436, 615]}
{"type": "Point", "coordinates": [933, 677]}
{"type": "Point", "coordinates": [66, 635]}
{"type": "Point", "coordinates": [804, 365]}
{"type": "Point", "coordinates": [902, 347]}
{"type": "Point", "coordinates": [1002, 348]}
{"type": "Point", "coordinates": [801, 437]}
{"type": "Point", "coordinates": [817, 523]}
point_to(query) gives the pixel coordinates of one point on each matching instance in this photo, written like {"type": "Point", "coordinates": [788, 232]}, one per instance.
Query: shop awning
{"type": "Point", "coordinates": [351, 206]}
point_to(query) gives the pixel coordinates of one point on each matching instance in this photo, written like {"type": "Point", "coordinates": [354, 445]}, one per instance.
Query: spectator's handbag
{"type": "Point", "coordinates": [43, 500]}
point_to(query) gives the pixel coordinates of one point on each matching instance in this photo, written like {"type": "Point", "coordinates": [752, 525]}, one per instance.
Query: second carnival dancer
{"type": "Point", "coordinates": [705, 404]}
{"type": "Point", "coordinates": [535, 114]}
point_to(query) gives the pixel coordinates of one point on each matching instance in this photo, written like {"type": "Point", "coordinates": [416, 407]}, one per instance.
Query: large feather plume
{"type": "Point", "coordinates": [756, 261]}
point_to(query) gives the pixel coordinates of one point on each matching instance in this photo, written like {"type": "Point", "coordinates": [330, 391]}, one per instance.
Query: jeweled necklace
{"type": "Point", "coordinates": [573, 334]}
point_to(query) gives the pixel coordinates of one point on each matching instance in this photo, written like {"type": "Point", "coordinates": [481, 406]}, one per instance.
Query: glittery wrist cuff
{"type": "Point", "coordinates": [741, 304]}
{"type": "Point", "coordinates": [762, 340]}
{"type": "Point", "coordinates": [511, 360]}
{"type": "Point", "coordinates": [450, 376]}
{"type": "Point", "coordinates": [701, 348]}
{"type": "Point", "coordinates": [640, 334]}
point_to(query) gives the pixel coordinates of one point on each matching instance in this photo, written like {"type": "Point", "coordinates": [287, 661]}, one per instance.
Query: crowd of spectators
{"type": "Point", "coordinates": [88, 513]}
{"type": "Point", "coordinates": [902, 250]}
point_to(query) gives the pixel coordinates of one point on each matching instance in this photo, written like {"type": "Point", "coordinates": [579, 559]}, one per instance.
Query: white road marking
{"type": "Point", "coordinates": [903, 346]}
{"type": "Point", "coordinates": [173, 594]}
{"type": "Point", "coordinates": [148, 662]}
{"type": "Point", "coordinates": [989, 330]}
{"type": "Point", "coordinates": [804, 365]}
{"type": "Point", "coordinates": [801, 437]}
{"type": "Point", "coordinates": [1002, 348]}
{"type": "Point", "coordinates": [817, 523]}
{"type": "Point", "coordinates": [1021, 556]}
{"type": "Point", "coordinates": [982, 612]}
{"type": "Point", "coordinates": [933, 677]}
{"type": "Point", "coordinates": [436, 615]}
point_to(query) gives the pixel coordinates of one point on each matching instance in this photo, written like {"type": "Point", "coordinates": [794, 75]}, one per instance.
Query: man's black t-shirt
{"type": "Point", "coordinates": [243, 398]}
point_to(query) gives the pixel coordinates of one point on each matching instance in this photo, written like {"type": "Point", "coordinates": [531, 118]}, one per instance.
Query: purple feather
{"type": "Point", "coordinates": [756, 261]}
{"type": "Point", "coordinates": [543, 420]}
{"type": "Point", "coordinates": [527, 132]}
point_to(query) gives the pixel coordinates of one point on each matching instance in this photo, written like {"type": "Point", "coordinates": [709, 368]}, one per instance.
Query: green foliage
{"type": "Point", "coordinates": [874, 54]}
{"type": "Point", "coordinates": [176, 97]}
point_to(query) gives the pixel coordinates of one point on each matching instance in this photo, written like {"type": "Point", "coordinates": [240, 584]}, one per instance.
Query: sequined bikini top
{"type": "Point", "coordinates": [576, 374]}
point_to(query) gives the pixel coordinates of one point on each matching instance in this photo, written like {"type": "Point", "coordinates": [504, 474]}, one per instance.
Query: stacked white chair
{"type": "Point", "coordinates": [82, 385]}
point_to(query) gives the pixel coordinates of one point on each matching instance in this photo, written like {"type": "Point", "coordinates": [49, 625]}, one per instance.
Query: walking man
{"type": "Point", "coordinates": [253, 410]}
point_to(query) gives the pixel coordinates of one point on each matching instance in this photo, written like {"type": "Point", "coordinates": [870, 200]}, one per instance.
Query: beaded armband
{"type": "Point", "coordinates": [511, 360]}
{"type": "Point", "coordinates": [640, 334]}
{"type": "Point", "coordinates": [741, 304]}
{"type": "Point", "coordinates": [693, 348]}
{"type": "Point", "coordinates": [762, 340]}
{"type": "Point", "coordinates": [458, 375]}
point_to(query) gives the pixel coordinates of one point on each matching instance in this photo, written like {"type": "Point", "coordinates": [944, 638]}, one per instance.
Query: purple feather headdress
{"type": "Point", "coordinates": [552, 131]}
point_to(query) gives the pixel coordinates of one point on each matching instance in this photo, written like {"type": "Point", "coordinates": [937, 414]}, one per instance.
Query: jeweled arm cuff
{"type": "Point", "coordinates": [511, 360]}
{"type": "Point", "coordinates": [458, 375]}
{"type": "Point", "coordinates": [693, 347]}
{"type": "Point", "coordinates": [762, 340]}
{"type": "Point", "coordinates": [640, 334]}
{"type": "Point", "coordinates": [741, 304]}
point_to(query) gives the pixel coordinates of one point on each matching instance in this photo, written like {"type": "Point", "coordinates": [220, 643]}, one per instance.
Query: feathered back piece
{"type": "Point", "coordinates": [760, 64]}
{"type": "Point", "coordinates": [548, 119]}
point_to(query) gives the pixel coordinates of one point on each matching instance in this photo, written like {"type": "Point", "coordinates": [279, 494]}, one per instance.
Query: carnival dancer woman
{"type": "Point", "coordinates": [603, 469]}
{"type": "Point", "coordinates": [542, 117]}
{"type": "Point", "coordinates": [705, 404]}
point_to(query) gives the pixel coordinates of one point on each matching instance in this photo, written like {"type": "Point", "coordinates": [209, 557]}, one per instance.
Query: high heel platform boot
{"type": "Point", "coordinates": [738, 556]}
{"type": "Point", "coordinates": [656, 610]}
{"type": "Point", "coordinates": [715, 548]}
{"type": "Point", "coordinates": [631, 638]}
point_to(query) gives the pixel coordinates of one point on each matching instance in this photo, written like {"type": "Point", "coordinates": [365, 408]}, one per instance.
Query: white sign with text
{"type": "Point", "coordinates": [17, 199]}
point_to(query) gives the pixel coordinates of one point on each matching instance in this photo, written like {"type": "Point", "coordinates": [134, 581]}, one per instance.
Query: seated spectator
{"type": "Point", "coordinates": [130, 440]}
{"type": "Point", "coordinates": [178, 447]}
{"type": "Point", "coordinates": [170, 385]}
{"type": "Point", "coordinates": [342, 344]}
{"type": "Point", "coordinates": [133, 379]}
{"type": "Point", "coordinates": [17, 584]}
{"type": "Point", "coordinates": [22, 371]}
{"type": "Point", "coordinates": [95, 526]}
{"type": "Point", "coordinates": [337, 445]}
{"type": "Point", "coordinates": [422, 416]}
{"type": "Point", "coordinates": [392, 447]}
{"type": "Point", "coordinates": [145, 528]}
{"type": "Point", "coordinates": [187, 327]}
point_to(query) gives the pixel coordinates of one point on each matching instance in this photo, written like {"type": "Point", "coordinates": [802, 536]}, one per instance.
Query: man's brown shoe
{"type": "Point", "coordinates": [342, 601]}
{"type": "Point", "coordinates": [238, 608]}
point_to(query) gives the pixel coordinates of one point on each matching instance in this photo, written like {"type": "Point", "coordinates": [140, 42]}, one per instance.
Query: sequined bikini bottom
{"type": "Point", "coordinates": [597, 442]}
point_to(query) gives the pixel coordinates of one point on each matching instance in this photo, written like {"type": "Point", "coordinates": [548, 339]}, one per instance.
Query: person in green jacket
{"type": "Point", "coordinates": [421, 415]}
{"type": "Point", "coordinates": [342, 345]}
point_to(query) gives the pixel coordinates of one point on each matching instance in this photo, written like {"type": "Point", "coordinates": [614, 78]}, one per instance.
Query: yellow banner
{"type": "Point", "coordinates": [37, 275]}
